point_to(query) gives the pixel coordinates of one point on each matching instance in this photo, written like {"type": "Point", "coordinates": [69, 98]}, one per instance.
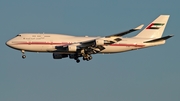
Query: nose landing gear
{"type": "Point", "coordinates": [23, 52]}
{"type": "Point", "coordinates": [23, 56]}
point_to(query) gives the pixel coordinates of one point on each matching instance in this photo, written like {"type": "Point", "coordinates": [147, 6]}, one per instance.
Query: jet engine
{"type": "Point", "coordinates": [59, 56]}
{"type": "Point", "coordinates": [72, 48]}
{"type": "Point", "coordinates": [99, 42]}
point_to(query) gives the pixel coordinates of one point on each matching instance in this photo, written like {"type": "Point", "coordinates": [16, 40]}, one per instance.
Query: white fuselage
{"type": "Point", "coordinates": [34, 42]}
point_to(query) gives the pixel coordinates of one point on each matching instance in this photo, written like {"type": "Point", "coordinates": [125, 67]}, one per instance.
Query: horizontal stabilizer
{"type": "Point", "coordinates": [159, 39]}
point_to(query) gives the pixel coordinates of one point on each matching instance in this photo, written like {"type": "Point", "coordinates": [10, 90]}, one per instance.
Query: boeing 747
{"type": "Point", "coordinates": [63, 46]}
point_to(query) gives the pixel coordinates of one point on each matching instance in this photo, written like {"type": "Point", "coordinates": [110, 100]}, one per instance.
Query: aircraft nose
{"type": "Point", "coordinates": [8, 43]}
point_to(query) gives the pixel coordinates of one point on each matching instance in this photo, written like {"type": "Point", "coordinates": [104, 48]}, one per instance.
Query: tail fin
{"type": "Point", "coordinates": [154, 29]}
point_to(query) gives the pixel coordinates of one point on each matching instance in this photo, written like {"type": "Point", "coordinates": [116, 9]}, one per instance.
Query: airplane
{"type": "Point", "coordinates": [64, 46]}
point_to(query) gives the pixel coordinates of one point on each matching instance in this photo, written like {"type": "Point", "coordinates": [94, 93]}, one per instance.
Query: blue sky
{"type": "Point", "coordinates": [151, 74]}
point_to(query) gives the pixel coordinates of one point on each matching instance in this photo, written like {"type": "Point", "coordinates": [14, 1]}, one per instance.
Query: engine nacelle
{"type": "Point", "coordinates": [99, 42]}
{"type": "Point", "coordinates": [72, 48]}
{"type": "Point", "coordinates": [59, 56]}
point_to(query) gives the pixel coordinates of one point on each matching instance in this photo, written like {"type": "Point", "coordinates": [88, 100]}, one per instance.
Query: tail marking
{"type": "Point", "coordinates": [155, 25]}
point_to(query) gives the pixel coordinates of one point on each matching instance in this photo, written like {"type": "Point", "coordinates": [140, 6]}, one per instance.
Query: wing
{"type": "Point", "coordinates": [96, 45]}
{"type": "Point", "coordinates": [126, 32]}
{"type": "Point", "coordinates": [86, 48]}
{"type": "Point", "coordinates": [107, 40]}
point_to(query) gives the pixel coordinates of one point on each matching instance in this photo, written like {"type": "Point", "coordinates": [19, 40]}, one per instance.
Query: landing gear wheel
{"type": "Point", "coordinates": [77, 60]}
{"type": "Point", "coordinates": [87, 57]}
{"type": "Point", "coordinates": [23, 56]}
{"type": "Point", "coordinates": [23, 52]}
{"type": "Point", "coordinates": [90, 57]}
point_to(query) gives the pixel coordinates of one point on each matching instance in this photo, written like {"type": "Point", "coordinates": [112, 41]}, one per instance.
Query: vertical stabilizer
{"type": "Point", "coordinates": [154, 29]}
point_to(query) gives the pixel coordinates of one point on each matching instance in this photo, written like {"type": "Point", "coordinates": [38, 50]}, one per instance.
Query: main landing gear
{"type": "Point", "coordinates": [77, 60]}
{"type": "Point", "coordinates": [75, 57]}
{"type": "Point", "coordinates": [87, 57]}
{"type": "Point", "coordinates": [23, 54]}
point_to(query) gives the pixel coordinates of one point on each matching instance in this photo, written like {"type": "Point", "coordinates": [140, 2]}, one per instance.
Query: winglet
{"type": "Point", "coordinates": [139, 27]}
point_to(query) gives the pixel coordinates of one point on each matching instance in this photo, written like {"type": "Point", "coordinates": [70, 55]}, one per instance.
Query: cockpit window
{"type": "Point", "coordinates": [18, 35]}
